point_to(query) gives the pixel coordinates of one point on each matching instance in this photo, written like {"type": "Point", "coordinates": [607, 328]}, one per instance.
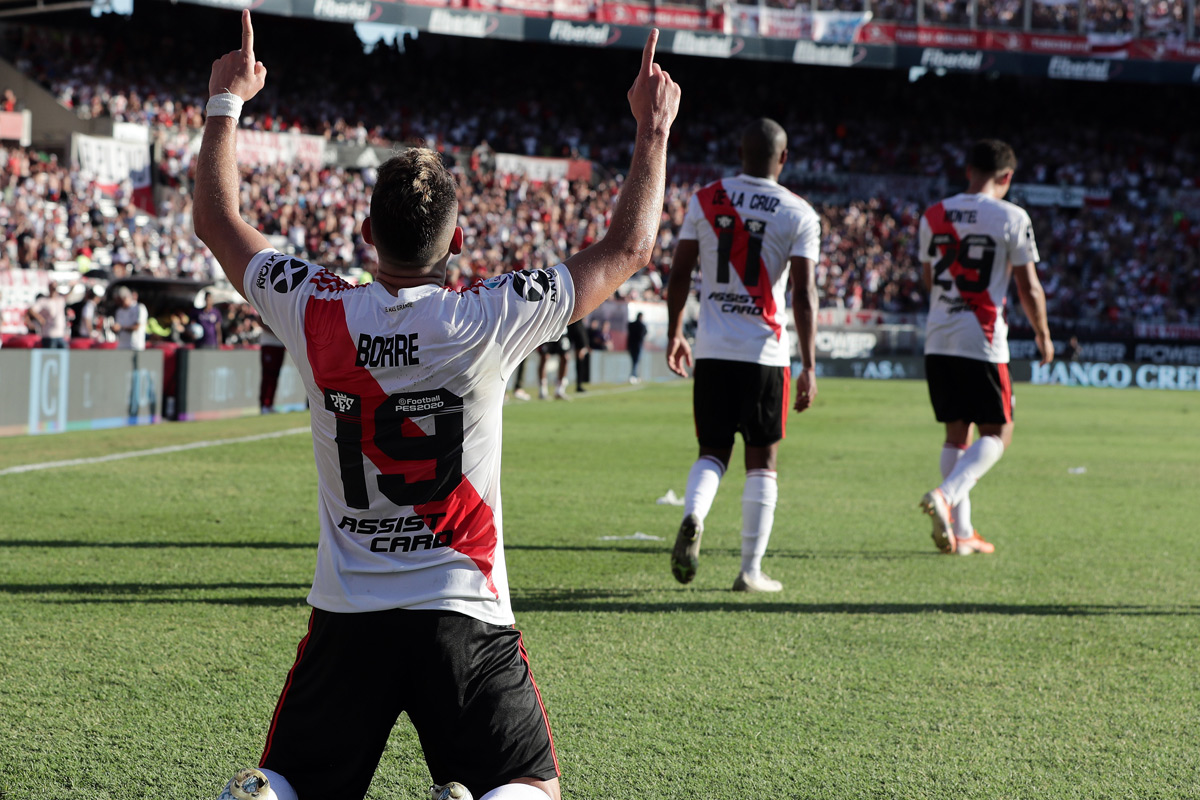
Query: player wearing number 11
{"type": "Point", "coordinates": [748, 233]}
{"type": "Point", "coordinates": [970, 245]}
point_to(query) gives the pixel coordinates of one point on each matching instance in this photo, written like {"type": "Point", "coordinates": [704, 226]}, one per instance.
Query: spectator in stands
{"type": "Point", "coordinates": [49, 315]}
{"type": "Point", "coordinates": [85, 323]}
{"type": "Point", "coordinates": [129, 320]}
{"type": "Point", "coordinates": [210, 321]}
{"type": "Point", "coordinates": [634, 338]}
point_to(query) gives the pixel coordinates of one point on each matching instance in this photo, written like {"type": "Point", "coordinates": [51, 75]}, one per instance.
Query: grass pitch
{"type": "Point", "coordinates": [150, 607]}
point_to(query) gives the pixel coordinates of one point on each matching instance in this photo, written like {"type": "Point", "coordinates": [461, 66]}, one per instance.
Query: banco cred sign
{"type": "Point", "coordinates": [1117, 376]}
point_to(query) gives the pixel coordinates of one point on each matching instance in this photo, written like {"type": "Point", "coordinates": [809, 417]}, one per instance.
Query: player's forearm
{"type": "Point", "coordinates": [1033, 302]}
{"type": "Point", "coordinates": [679, 284]}
{"type": "Point", "coordinates": [804, 308]}
{"type": "Point", "coordinates": [636, 219]}
{"type": "Point", "coordinates": [215, 195]}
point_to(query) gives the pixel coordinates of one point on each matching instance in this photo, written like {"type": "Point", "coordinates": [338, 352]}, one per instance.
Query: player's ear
{"type": "Point", "coordinates": [783, 157]}
{"type": "Point", "coordinates": [1004, 177]}
{"type": "Point", "coordinates": [456, 241]}
{"type": "Point", "coordinates": [366, 232]}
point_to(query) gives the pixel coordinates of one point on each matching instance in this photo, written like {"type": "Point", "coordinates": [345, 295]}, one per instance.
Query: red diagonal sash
{"type": "Point", "coordinates": [980, 302]}
{"type": "Point", "coordinates": [715, 203]}
{"type": "Point", "coordinates": [331, 352]}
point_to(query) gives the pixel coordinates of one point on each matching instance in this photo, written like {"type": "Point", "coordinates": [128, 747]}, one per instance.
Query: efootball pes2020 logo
{"type": "Point", "coordinates": [535, 285]}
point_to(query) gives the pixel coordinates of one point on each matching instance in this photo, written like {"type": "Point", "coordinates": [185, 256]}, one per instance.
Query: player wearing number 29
{"type": "Point", "coordinates": [971, 244]}
{"type": "Point", "coordinates": [749, 234]}
{"type": "Point", "coordinates": [406, 379]}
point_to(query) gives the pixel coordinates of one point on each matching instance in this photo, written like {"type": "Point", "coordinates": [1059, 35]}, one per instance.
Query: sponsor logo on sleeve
{"type": "Point", "coordinates": [287, 275]}
{"type": "Point", "coordinates": [261, 280]}
{"type": "Point", "coordinates": [535, 285]}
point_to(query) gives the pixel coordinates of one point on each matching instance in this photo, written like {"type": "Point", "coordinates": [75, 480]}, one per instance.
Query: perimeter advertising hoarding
{"type": "Point", "coordinates": [879, 45]}
{"type": "Point", "coordinates": [1136, 350]}
{"type": "Point", "coordinates": [51, 391]}
{"type": "Point", "coordinates": [215, 384]}
{"type": "Point", "coordinates": [1118, 375]}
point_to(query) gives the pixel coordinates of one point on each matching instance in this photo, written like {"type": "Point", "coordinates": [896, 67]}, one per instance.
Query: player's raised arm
{"type": "Point", "coordinates": [236, 77]}
{"type": "Point", "coordinates": [626, 247]}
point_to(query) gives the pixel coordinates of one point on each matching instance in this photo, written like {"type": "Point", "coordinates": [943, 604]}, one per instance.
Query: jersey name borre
{"type": "Point", "coordinates": [406, 394]}
{"type": "Point", "coordinates": [971, 242]}
{"type": "Point", "coordinates": [747, 229]}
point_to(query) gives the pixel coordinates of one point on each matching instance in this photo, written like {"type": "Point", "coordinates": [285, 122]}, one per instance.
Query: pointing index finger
{"type": "Point", "coordinates": [247, 33]}
{"type": "Point", "coordinates": [647, 53]}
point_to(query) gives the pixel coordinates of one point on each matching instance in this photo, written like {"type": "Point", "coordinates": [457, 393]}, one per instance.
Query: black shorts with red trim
{"type": "Point", "coordinates": [969, 390]}
{"type": "Point", "coordinates": [465, 685]}
{"type": "Point", "coordinates": [731, 397]}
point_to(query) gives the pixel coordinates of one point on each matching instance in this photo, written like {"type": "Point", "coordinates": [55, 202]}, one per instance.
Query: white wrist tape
{"type": "Point", "coordinates": [227, 104]}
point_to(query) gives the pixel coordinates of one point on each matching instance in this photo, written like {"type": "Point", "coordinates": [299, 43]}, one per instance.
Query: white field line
{"type": "Point", "coordinates": [178, 448]}
{"type": "Point", "coordinates": [157, 451]}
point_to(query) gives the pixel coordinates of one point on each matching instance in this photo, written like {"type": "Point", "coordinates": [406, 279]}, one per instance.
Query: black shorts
{"type": "Point", "coordinates": [554, 348]}
{"type": "Point", "coordinates": [465, 685]}
{"type": "Point", "coordinates": [731, 397]}
{"type": "Point", "coordinates": [969, 390]}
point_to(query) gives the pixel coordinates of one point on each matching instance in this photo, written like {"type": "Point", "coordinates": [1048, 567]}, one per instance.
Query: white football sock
{"type": "Point", "coordinates": [279, 785]}
{"type": "Point", "coordinates": [758, 516]}
{"type": "Point", "coordinates": [973, 465]}
{"type": "Point", "coordinates": [951, 453]}
{"type": "Point", "coordinates": [703, 481]}
{"type": "Point", "coordinates": [515, 791]}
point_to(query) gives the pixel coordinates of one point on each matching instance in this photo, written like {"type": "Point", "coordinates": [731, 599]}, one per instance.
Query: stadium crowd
{"type": "Point", "coordinates": [1130, 257]}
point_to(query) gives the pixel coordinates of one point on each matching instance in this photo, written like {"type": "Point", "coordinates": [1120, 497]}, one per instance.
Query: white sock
{"type": "Point", "coordinates": [973, 465]}
{"type": "Point", "coordinates": [951, 453]}
{"type": "Point", "coordinates": [279, 785]}
{"type": "Point", "coordinates": [515, 791]}
{"type": "Point", "coordinates": [758, 516]}
{"type": "Point", "coordinates": [703, 481]}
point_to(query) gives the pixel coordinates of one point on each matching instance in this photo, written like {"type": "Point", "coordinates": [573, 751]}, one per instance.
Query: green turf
{"type": "Point", "coordinates": [150, 607]}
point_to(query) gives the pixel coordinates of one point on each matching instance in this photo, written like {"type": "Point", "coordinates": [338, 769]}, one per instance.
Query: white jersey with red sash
{"type": "Point", "coordinates": [406, 394]}
{"type": "Point", "coordinates": [747, 228]}
{"type": "Point", "coordinates": [972, 242]}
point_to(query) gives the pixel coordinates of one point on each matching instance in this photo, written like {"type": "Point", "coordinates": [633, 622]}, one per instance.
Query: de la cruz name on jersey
{"type": "Point", "coordinates": [747, 229]}
{"type": "Point", "coordinates": [971, 242]}
{"type": "Point", "coordinates": [406, 394]}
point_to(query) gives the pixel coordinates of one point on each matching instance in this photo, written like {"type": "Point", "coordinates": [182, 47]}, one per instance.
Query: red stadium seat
{"type": "Point", "coordinates": [24, 341]}
{"type": "Point", "coordinates": [105, 346]}
{"type": "Point", "coordinates": [82, 344]}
